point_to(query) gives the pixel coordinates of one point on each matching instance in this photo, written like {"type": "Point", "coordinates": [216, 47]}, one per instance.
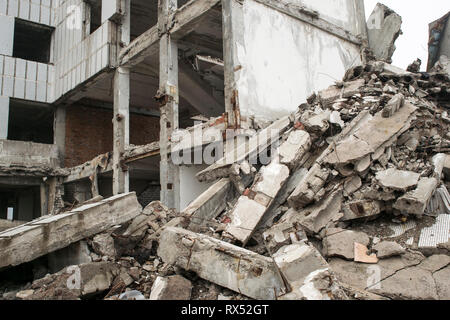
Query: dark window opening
{"type": "Point", "coordinates": [96, 16]}
{"type": "Point", "coordinates": [19, 203]}
{"type": "Point", "coordinates": [32, 41]}
{"type": "Point", "coordinates": [30, 122]}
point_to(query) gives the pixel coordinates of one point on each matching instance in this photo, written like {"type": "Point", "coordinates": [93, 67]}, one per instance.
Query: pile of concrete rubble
{"type": "Point", "coordinates": [353, 205]}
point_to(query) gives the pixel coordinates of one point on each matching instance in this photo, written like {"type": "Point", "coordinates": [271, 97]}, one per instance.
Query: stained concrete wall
{"type": "Point", "coordinates": [284, 60]}
{"type": "Point", "coordinates": [28, 154]}
{"type": "Point", "coordinates": [4, 116]}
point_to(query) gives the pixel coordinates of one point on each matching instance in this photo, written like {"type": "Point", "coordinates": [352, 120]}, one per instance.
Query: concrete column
{"type": "Point", "coordinates": [169, 97]}
{"type": "Point", "coordinates": [44, 198]}
{"type": "Point", "coordinates": [59, 132]}
{"type": "Point", "coordinates": [121, 118]}
{"type": "Point", "coordinates": [4, 117]}
{"type": "Point", "coordinates": [233, 38]}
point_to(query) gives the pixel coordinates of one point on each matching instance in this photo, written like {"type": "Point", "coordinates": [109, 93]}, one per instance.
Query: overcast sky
{"type": "Point", "coordinates": [416, 14]}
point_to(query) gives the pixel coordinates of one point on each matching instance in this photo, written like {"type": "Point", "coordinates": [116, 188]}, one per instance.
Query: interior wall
{"type": "Point", "coordinates": [284, 60]}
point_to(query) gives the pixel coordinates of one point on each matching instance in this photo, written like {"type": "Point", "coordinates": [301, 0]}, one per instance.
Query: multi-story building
{"type": "Point", "coordinates": [93, 92]}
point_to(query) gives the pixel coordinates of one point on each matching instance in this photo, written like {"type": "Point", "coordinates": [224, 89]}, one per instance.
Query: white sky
{"type": "Point", "coordinates": [416, 14]}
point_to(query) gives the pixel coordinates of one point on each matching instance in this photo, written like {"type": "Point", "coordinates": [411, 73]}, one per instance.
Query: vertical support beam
{"type": "Point", "coordinates": [168, 96]}
{"type": "Point", "coordinates": [121, 118]}
{"type": "Point", "coordinates": [59, 132]}
{"type": "Point", "coordinates": [4, 117]}
{"type": "Point", "coordinates": [232, 26]}
{"type": "Point", "coordinates": [44, 199]}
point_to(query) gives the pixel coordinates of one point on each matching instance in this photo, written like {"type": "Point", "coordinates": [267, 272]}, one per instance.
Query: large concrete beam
{"type": "Point", "coordinates": [227, 265]}
{"type": "Point", "coordinates": [50, 233]}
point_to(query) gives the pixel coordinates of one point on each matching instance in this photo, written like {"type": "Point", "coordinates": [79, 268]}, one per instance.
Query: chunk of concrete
{"type": "Point", "coordinates": [318, 216]}
{"type": "Point", "coordinates": [387, 249]}
{"type": "Point", "coordinates": [393, 105]}
{"type": "Point", "coordinates": [103, 244]}
{"type": "Point", "coordinates": [171, 288]}
{"type": "Point", "coordinates": [304, 269]}
{"type": "Point", "coordinates": [367, 139]}
{"type": "Point", "coordinates": [224, 264]}
{"type": "Point", "coordinates": [332, 93]}
{"type": "Point", "coordinates": [340, 243]}
{"type": "Point", "coordinates": [294, 149]}
{"type": "Point", "coordinates": [352, 185]}
{"type": "Point", "coordinates": [304, 194]}
{"type": "Point", "coordinates": [247, 212]}
{"type": "Point", "coordinates": [397, 179]}
{"type": "Point", "coordinates": [383, 28]}
{"type": "Point", "coordinates": [361, 209]}
{"type": "Point", "coordinates": [415, 202]}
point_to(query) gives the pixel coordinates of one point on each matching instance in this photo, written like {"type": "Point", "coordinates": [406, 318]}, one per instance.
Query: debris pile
{"type": "Point", "coordinates": [353, 205]}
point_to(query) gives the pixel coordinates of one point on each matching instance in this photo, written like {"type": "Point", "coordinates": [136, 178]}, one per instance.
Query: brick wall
{"type": "Point", "coordinates": [89, 132]}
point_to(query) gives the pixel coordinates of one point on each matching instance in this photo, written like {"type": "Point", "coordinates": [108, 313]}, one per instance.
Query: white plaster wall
{"type": "Point", "coordinates": [343, 13]}
{"type": "Point", "coordinates": [190, 188]}
{"type": "Point", "coordinates": [284, 60]}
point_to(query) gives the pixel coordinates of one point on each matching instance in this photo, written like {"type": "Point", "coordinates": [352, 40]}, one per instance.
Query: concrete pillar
{"type": "Point", "coordinates": [121, 118]}
{"type": "Point", "coordinates": [59, 132]}
{"type": "Point", "coordinates": [44, 198]}
{"type": "Point", "coordinates": [4, 117]}
{"type": "Point", "coordinates": [169, 97]}
{"type": "Point", "coordinates": [233, 39]}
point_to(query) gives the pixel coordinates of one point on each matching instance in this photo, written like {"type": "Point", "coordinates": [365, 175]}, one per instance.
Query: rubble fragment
{"type": "Point", "coordinates": [171, 288]}
{"type": "Point", "coordinates": [387, 249]}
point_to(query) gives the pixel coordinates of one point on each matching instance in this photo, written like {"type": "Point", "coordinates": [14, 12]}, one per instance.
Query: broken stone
{"type": "Point", "coordinates": [227, 265]}
{"type": "Point", "coordinates": [393, 105]}
{"type": "Point", "coordinates": [387, 249]}
{"type": "Point", "coordinates": [303, 267]}
{"type": "Point", "coordinates": [24, 294]}
{"type": "Point", "coordinates": [294, 149]}
{"type": "Point", "coordinates": [318, 216]}
{"type": "Point", "coordinates": [361, 209]}
{"type": "Point", "coordinates": [416, 201]}
{"type": "Point", "coordinates": [397, 179]}
{"type": "Point", "coordinates": [171, 288]}
{"type": "Point", "coordinates": [339, 243]}
{"type": "Point", "coordinates": [352, 185]}
{"type": "Point", "coordinates": [103, 244]}
{"type": "Point", "coordinates": [310, 185]}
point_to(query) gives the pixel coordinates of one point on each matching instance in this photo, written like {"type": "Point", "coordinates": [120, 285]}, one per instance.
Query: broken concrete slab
{"type": "Point", "coordinates": [318, 216]}
{"type": "Point", "coordinates": [398, 180]}
{"type": "Point", "coordinates": [361, 209]}
{"type": "Point", "coordinates": [383, 28]}
{"type": "Point", "coordinates": [415, 202]}
{"type": "Point", "coordinates": [103, 245]}
{"type": "Point", "coordinates": [171, 288]}
{"type": "Point", "coordinates": [245, 151]}
{"type": "Point", "coordinates": [304, 194]}
{"type": "Point", "coordinates": [387, 249]}
{"type": "Point", "coordinates": [301, 266]}
{"type": "Point", "coordinates": [393, 105]}
{"type": "Point", "coordinates": [227, 265]}
{"type": "Point", "coordinates": [340, 243]}
{"type": "Point", "coordinates": [294, 149]}
{"type": "Point", "coordinates": [368, 138]}
{"type": "Point", "coordinates": [349, 89]}
{"type": "Point", "coordinates": [352, 185]}
{"type": "Point", "coordinates": [250, 208]}
{"type": "Point", "coordinates": [50, 233]}
{"type": "Point", "coordinates": [209, 204]}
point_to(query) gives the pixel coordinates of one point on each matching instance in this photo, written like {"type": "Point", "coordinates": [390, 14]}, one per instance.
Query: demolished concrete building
{"type": "Point", "coordinates": [257, 196]}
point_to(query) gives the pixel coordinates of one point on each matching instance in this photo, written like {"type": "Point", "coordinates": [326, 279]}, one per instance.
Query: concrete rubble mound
{"type": "Point", "coordinates": [353, 205]}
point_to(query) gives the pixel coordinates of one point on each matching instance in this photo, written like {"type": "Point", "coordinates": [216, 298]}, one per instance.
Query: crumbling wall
{"type": "Point", "coordinates": [89, 132]}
